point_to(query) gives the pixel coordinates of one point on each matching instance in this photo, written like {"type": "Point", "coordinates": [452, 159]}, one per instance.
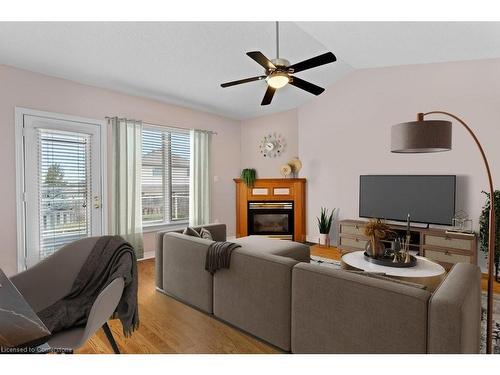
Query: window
{"type": "Point", "coordinates": [165, 175]}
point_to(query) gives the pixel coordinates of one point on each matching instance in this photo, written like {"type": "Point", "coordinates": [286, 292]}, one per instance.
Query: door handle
{"type": "Point", "coordinates": [97, 202]}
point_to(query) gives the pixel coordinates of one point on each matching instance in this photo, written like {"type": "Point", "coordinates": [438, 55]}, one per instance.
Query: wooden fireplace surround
{"type": "Point", "coordinates": [272, 190]}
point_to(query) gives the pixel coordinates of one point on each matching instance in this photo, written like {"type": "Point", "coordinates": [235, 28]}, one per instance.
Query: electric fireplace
{"type": "Point", "coordinates": [271, 219]}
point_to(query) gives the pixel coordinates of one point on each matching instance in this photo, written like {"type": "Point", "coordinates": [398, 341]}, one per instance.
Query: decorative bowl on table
{"type": "Point", "coordinates": [388, 260]}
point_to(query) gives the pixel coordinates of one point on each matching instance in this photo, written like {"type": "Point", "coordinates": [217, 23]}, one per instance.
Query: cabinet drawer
{"type": "Point", "coordinates": [449, 242]}
{"type": "Point", "coordinates": [353, 229]}
{"type": "Point", "coordinates": [353, 242]}
{"type": "Point", "coordinates": [447, 257]}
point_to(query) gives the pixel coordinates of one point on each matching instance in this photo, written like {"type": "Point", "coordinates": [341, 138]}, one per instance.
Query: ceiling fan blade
{"type": "Point", "coordinates": [261, 59]}
{"type": "Point", "coordinates": [323, 59]}
{"type": "Point", "coordinates": [307, 86]}
{"type": "Point", "coordinates": [268, 96]}
{"type": "Point", "coordinates": [227, 84]}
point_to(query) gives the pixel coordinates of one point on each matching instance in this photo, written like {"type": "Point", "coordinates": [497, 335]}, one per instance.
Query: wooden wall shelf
{"type": "Point", "coordinates": [269, 190]}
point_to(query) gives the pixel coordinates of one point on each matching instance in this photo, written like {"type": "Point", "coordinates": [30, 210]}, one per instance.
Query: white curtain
{"type": "Point", "coordinates": [200, 177]}
{"type": "Point", "coordinates": [126, 215]}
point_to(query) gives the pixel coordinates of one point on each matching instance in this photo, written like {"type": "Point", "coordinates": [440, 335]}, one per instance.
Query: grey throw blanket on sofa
{"type": "Point", "coordinates": [111, 258]}
{"type": "Point", "coordinates": [219, 255]}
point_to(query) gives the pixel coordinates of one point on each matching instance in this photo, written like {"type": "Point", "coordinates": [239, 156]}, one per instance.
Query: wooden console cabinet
{"type": "Point", "coordinates": [272, 190]}
{"type": "Point", "coordinates": [435, 244]}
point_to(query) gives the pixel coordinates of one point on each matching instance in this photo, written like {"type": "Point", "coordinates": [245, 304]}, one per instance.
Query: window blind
{"type": "Point", "coordinates": [64, 188]}
{"type": "Point", "coordinates": [165, 175]}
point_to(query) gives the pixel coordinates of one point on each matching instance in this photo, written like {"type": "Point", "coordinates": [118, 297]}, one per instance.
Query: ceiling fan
{"type": "Point", "coordinates": [279, 72]}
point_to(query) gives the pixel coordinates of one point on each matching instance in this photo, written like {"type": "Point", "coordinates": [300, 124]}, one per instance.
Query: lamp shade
{"type": "Point", "coordinates": [421, 136]}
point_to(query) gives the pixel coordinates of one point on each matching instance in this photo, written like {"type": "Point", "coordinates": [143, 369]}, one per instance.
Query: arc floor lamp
{"type": "Point", "coordinates": [424, 136]}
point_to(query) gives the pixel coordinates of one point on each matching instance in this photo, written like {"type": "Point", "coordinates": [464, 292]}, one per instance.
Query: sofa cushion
{"type": "Point", "coordinates": [455, 312]}
{"type": "Point", "coordinates": [334, 311]}
{"type": "Point", "coordinates": [205, 233]}
{"type": "Point", "coordinates": [289, 249]}
{"type": "Point", "coordinates": [254, 294]}
{"type": "Point", "coordinates": [191, 232]}
{"type": "Point", "coordinates": [218, 232]}
{"type": "Point", "coordinates": [183, 268]}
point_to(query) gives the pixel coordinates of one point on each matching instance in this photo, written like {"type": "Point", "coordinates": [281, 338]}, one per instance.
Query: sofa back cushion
{"type": "Point", "coordinates": [263, 245]}
{"type": "Point", "coordinates": [183, 270]}
{"type": "Point", "coordinates": [455, 312]}
{"type": "Point", "coordinates": [334, 311]}
{"type": "Point", "coordinates": [254, 295]}
{"type": "Point", "coordinates": [218, 232]}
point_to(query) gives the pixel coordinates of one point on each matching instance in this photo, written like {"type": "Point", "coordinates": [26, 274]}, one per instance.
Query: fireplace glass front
{"type": "Point", "coordinates": [274, 219]}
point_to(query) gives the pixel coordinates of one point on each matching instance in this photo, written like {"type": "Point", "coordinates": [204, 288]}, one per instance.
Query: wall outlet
{"type": "Point", "coordinates": [216, 178]}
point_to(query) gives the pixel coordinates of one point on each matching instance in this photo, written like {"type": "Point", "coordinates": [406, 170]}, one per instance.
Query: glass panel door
{"type": "Point", "coordinates": [62, 184]}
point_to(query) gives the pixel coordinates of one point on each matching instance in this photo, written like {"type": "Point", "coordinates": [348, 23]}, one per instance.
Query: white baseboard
{"type": "Point", "coordinates": [148, 255]}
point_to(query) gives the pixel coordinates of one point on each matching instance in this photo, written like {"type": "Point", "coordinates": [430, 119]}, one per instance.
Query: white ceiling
{"type": "Point", "coordinates": [185, 62]}
{"type": "Point", "coordinates": [377, 44]}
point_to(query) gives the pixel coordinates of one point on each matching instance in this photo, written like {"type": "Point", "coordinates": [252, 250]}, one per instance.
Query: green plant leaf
{"type": "Point", "coordinates": [325, 220]}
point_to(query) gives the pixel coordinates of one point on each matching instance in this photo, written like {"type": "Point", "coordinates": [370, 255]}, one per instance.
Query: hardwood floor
{"type": "Point", "coordinates": [169, 326]}
{"type": "Point", "coordinates": [334, 253]}
{"type": "Point", "coordinates": [326, 252]}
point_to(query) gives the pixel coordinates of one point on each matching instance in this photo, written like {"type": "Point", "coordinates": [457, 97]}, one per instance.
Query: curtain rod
{"type": "Point", "coordinates": [165, 126]}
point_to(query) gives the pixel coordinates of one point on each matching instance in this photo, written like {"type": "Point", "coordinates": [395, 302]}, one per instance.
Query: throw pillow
{"type": "Point", "coordinates": [205, 233]}
{"type": "Point", "coordinates": [191, 232]}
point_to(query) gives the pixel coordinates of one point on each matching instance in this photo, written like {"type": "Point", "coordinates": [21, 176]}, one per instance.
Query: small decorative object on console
{"type": "Point", "coordinates": [461, 223]}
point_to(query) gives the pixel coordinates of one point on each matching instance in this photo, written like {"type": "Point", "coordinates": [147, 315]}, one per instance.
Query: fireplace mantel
{"type": "Point", "coordinates": [272, 190]}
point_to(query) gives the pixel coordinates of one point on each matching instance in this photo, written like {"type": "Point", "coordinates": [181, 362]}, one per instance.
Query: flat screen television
{"type": "Point", "coordinates": [429, 199]}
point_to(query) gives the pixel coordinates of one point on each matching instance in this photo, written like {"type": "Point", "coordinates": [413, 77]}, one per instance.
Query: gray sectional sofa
{"type": "Point", "coordinates": [272, 291]}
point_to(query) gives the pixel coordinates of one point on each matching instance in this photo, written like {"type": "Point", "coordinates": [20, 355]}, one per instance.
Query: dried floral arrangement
{"type": "Point", "coordinates": [376, 230]}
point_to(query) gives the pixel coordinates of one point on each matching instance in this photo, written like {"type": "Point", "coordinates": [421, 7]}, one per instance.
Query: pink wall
{"type": "Point", "coordinates": [345, 132]}
{"type": "Point", "coordinates": [25, 89]}
{"type": "Point", "coordinates": [252, 132]}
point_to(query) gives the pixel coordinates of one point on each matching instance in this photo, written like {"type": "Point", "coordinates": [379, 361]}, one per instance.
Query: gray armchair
{"type": "Point", "coordinates": [51, 280]}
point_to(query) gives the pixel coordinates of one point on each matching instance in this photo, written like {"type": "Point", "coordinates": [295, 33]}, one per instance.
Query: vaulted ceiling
{"type": "Point", "coordinates": [185, 62]}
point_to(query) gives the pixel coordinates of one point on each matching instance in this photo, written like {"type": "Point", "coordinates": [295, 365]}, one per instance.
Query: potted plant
{"type": "Point", "coordinates": [484, 222]}
{"type": "Point", "coordinates": [248, 175]}
{"type": "Point", "coordinates": [376, 230]}
{"type": "Point", "coordinates": [324, 226]}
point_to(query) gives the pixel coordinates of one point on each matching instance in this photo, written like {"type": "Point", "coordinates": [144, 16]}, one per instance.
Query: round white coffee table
{"type": "Point", "coordinates": [426, 272]}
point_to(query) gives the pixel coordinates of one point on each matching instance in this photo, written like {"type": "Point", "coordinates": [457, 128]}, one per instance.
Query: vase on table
{"type": "Point", "coordinates": [324, 239]}
{"type": "Point", "coordinates": [375, 248]}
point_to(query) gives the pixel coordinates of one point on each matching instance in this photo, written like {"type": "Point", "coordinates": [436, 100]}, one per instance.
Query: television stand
{"type": "Point", "coordinates": [444, 247]}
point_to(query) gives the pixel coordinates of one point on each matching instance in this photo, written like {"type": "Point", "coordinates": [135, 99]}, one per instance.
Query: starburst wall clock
{"type": "Point", "coordinates": [272, 145]}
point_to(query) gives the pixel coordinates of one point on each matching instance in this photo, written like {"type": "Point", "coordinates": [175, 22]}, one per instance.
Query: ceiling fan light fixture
{"type": "Point", "coordinates": [279, 73]}
{"type": "Point", "coordinates": [278, 80]}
